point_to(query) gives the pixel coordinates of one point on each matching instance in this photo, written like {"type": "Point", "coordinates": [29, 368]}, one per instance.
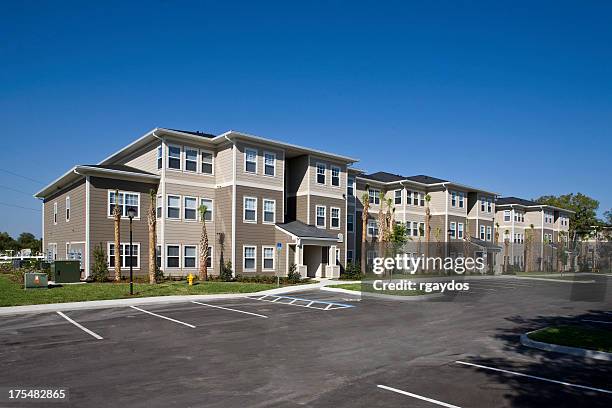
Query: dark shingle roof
{"type": "Point", "coordinates": [385, 177]}
{"type": "Point", "coordinates": [515, 200]}
{"type": "Point", "coordinates": [118, 167]}
{"type": "Point", "coordinates": [486, 244]}
{"type": "Point", "coordinates": [195, 133]}
{"type": "Point", "coordinates": [302, 230]}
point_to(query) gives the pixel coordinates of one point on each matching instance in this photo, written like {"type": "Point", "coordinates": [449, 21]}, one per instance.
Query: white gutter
{"type": "Point", "coordinates": [233, 204]}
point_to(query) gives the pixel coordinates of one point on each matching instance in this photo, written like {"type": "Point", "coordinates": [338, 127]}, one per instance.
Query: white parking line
{"type": "Point", "coordinates": [444, 404]}
{"type": "Point", "coordinates": [233, 310]}
{"type": "Point", "coordinates": [534, 377]}
{"type": "Point", "coordinates": [85, 329]}
{"type": "Point", "coordinates": [596, 321]}
{"type": "Point", "coordinates": [163, 317]}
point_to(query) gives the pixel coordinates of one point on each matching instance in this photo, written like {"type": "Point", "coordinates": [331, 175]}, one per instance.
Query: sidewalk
{"type": "Point", "coordinates": [103, 304]}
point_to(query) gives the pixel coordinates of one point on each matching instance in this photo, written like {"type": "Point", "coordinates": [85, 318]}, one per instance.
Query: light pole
{"type": "Point", "coordinates": [131, 214]}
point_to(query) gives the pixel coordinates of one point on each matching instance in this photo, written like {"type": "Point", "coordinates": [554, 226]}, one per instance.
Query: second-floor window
{"type": "Point", "coordinates": [489, 205]}
{"type": "Point", "coordinates": [159, 206]}
{"type": "Point", "coordinates": [174, 157]}
{"type": "Point", "coordinates": [483, 203]}
{"type": "Point", "coordinates": [398, 196]}
{"type": "Point", "coordinates": [173, 207]}
{"type": "Point", "coordinates": [335, 176]}
{"type": "Point", "coordinates": [334, 218]}
{"type": "Point", "coordinates": [209, 208]}
{"type": "Point", "coordinates": [67, 209]}
{"type": "Point", "coordinates": [320, 216]}
{"type": "Point", "coordinates": [125, 201]}
{"type": "Point", "coordinates": [190, 208]}
{"type": "Point", "coordinates": [54, 213]}
{"type": "Point", "coordinates": [191, 159]}
{"type": "Point", "coordinates": [269, 211]}
{"type": "Point", "coordinates": [374, 196]}
{"type": "Point", "coordinates": [507, 215]}
{"type": "Point", "coordinates": [207, 162]}
{"type": "Point", "coordinates": [160, 156]}
{"type": "Point", "coordinates": [250, 160]}
{"type": "Point", "coordinates": [269, 164]}
{"type": "Point", "coordinates": [321, 173]}
{"type": "Point", "coordinates": [250, 209]}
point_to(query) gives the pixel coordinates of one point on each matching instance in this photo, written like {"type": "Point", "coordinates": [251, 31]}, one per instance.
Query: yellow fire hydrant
{"type": "Point", "coordinates": [190, 279]}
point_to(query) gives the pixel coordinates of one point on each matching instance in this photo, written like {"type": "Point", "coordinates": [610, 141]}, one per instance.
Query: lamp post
{"type": "Point", "coordinates": [131, 212]}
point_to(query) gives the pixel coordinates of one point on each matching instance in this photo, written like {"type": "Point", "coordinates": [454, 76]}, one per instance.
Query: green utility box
{"type": "Point", "coordinates": [66, 271]}
{"type": "Point", "coordinates": [33, 280]}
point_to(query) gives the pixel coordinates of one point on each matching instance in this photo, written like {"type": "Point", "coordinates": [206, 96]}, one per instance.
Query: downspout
{"type": "Point", "coordinates": [233, 204]}
{"type": "Point", "coordinates": [87, 223]}
{"type": "Point", "coordinates": [162, 187]}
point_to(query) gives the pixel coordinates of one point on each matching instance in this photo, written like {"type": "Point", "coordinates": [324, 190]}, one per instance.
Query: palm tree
{"type": "Point", "coordinates": [117, 217]}
{"type": "Point", "coordinates": [203, 244]}
{"type": "Point", "coordinates": [382, 231]}
{"type": "Point", "coordinates": [506, 247]}
{"type": "Point", "coordinates": [365, 199]}
{"type": "Point", "coordinates": [427, 224]}
{"type": "Point", "coordinates": [389, 220]}
{"type": "Point", "coordinates": [152, 222]}
{"type": "Point", "coordinates": [437, 235]}
{"type": "Point", "coordinates": [496, 232]}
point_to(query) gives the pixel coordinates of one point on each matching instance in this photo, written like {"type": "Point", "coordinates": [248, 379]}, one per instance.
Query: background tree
{"type": "Point", "coordinates": [585, 212]}
{"type": "Point", "coordinates": [203, 244]}
{"type": "Point", "coordinates": [365, 199]}
{"type": "Point", "coordinates": [117, 218]}
{"type": "Point", "coordinates": [152, 223]}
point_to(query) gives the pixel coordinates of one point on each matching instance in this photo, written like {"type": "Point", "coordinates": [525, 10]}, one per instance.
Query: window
{"type": "Point", "coordinates": [416, 198]}
{"type": "Point", "coordinates": [507, 215]}
{"type": "Point", "coordinates": [250, 160]}
{"type": "Point", "coordinates": [174, 157]}
{"type": "Point", "coordinates": [189, 256]}
{"type": "Point", "coordinates": [160, 156]}
{"type": "Point", "coordinates": [173, 256]}
{"type": "Point", "coordinates": [482, 232]}
{"type": "Point", "coordinates": [269, 164]}
{"type": "Point", "coordinates": [372, 228]}
{"type": "Point", "coordinates": [173, 207]}
{"type": "Point", "coordinates": [374, 196]}
{"type": "Point", "coordinates": [321, 173]}
{"type": "Point", "coordinates": [350, 220]}
{"type": "Point", "coordinates": [190, 208]}
{"type": "Point", "coordinates": [320, 212]}
{"type": "Point", "coordinates": [415, 229]}
{"type": "Point", "coordinates": [249, 260]}
{"type": "Point", "coordinates": [268, 258]}
{"type": "Point", "coordinates": [191, 159]}
{"type": "Point", "coordinates": [460, 230]}
{"type": "Point", "coordinates": [489, 231]}
{"type": "Point", "coordinates": [334, 218]}
{"type": "Point", "coordinates": [126, 201]}
{"type": "Point", "coordinates": [398, 196]}
{"type": "Point", "coordinates": [250, 209]}
{"type": "Point", "coordinates": [158, 256]}
{"type": "Point", "coordinates": [206, 159]}
{"type": "Point", "coordinates": [453, 229]}
{"type": "Point", "coordinates": [124, 255]}
{"type": "Point", "coordinates": [158, 206]}
{"type": "Point", "coordinates": [335, 178]}
{"type": "Point", "coordinates": [349, 255]}
{"type": "Point", "coordinates": [67, 208]}
{"type": "Point", "coordinates": [209, 208]}
{"type": "Point", "coordinates": [489, 205]}
{"type": "Point", "coordinates": [461, 196]}
{"type": "Point", "coordinates": [422, 199]}
{"type": "Point", "coordinates": [209, 262]}
{"type": "Point", "coordinates": [269, 211]}
{"type": "Point", "coordinates": [453, 199]}
{"type": "Point", "coordinates": [482, 204]}
{"type": "Point", "coordinates": [350, 188]}
{"type": "Point", "coordinates": [408, 197]}
{"type": "Point", "coordinates": [54, 213]}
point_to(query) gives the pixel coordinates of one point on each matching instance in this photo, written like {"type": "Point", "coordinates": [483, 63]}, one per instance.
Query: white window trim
{"type": "Point", "coordinates": [68, 209]}
{"type": "Point", "coordinates": [489, 233]}
{"type": "Point", "coordinates": [210, 210]}
{"type": "Point", "coordinates": [375, 223]}
{"type": "Point", "coordinates": [331, 176]}
{"type": "Point", "coordinates": [244, 209]}
{"type": "Point", "coordinates": [350, 184]}
{"type": "Point", "coordinates": [317, 164]}
{"type": "Point", "coordinates": [55, 213]}
{"type": "Point", "coordinates": [254, 269]}
{"type": "Point", "coordinates": [331, 211]}
{"type": "Point", "coordinates": [453, 197]}
{"type": "Point", "coordinates": [123, 268]}
{"type": "Point", "coordinates": [263, 211]}
{"type": "Point", "coordinates": [375, 196]}
{"type": "Point", "coordinates": [184, 159]}
{"type": "Point", "coordinates": [453, 228]}
{"type": "Point", "coordinates": [324, 217]}
{"type": "Point", "coordinates": [180, 158]}
{"type": "Point", "coordinates": [264, 163]}
{"type": "Point", "coordinates": [460, 229]}
{"type": "Point", "coordinates": [180, 207]}
{"type": "Point", "coordinates": [197, 201]}
{"type": "Point", "coordinates": [212, 154]}
{"type": "Point", "coordinates": [461, 202]}
{"type": "Point", "coordinates": [159, 154]}
{"type": "Point", "coordinates": [124, 217]}
{"type": "Point", "coordinates": [197, 256]}
{"type": "Point", "coordinates": [159, 203]}
{"type": "Point", "coordinates": [263, 268]}
{"type": "Point", "coordinates": [245, 159]}
{"type": "Point", "coordinates": [401, 197]}
{"type": "Point", "coordinates": [483, 233]}
{"type": "Point", "coordinates": [180, 258]}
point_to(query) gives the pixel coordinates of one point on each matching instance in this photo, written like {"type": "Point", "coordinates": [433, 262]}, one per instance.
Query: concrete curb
{"type": "Point", "coordinates": [380, 295]}
{"type": "Point", "coordinates": [105, 304]}
{"type": "Point", "coordinates": [573, 351]}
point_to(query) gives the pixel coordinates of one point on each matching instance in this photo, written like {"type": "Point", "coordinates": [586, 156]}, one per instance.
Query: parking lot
{"type": "Point", "coordinates": [315, 348]}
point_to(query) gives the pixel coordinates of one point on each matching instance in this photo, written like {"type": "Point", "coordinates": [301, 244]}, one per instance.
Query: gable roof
{"type": "Point", "coordinates": [195, 133]}
{"type": "Point", "coordinates": [421, 178]}
{"type": "Point", "coordinates": [383, 177]}
{"type": "Point", "coordinates": [516, 201]}
{"type": "Point", "coordinates": [301, 230]}
{"type": "Point", "coordinates": [117, 167]}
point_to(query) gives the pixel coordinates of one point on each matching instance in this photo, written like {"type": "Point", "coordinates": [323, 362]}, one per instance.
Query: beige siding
{"type": "Point", "coordinates": [144, 159]}
{"type": "Point", "coordinates": [259, 178]}
{"type": "Point", "coordinates": [327, 188]}
{"type": "Point", "coordinates": [224, 165]}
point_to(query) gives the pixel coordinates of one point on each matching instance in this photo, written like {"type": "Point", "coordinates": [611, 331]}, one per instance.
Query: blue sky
{"type": "Point", "coordinates": [515, 97]}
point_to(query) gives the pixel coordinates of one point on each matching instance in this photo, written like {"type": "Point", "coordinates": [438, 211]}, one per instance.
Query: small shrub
{"type": "Point", "coordinates": [293, 276]}
{"type": "Point", "coordinates": [99, 270]}
{"type": "Point", "coordinates": [351, 272]}
{"type": "Point", "coordinates": [226, 272]}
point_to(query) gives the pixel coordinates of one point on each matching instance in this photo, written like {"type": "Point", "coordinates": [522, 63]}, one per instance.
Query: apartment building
{"type": "Point", "coordinates": [518, 217]}
{"type": "Point", "coordinates": [457, 211]}
{"type": "Point", "coordinates": [270, 204]}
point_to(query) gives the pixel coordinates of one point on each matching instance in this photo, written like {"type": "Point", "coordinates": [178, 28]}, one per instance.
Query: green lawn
{"type": "Point", "coordinates": [13, 294]}
{"type": "Point", "coordinates": [370, 289]}
{"type": "Point", "coordinates": [576, 336]}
